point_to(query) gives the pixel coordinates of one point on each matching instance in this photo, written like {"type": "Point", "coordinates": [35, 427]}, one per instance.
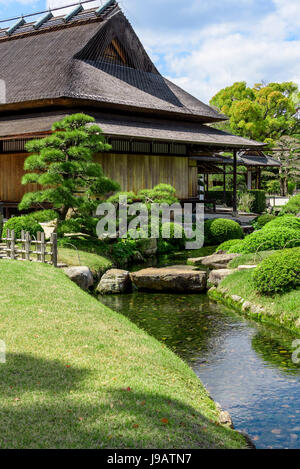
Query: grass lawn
{"type": "Point", "coordinates": [98, 264]}
{"type": "Point", "coordinates": [79, 375]}
{"type": "Point", "coordinates": [284, 308]}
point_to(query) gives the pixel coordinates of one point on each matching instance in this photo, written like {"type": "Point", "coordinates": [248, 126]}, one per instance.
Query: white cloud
{"type": "Point", "coordinates": [210, 55]}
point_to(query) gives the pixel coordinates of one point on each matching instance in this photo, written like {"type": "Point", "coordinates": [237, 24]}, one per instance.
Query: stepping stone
{"type": "Point", "coordinates": [175, 278]}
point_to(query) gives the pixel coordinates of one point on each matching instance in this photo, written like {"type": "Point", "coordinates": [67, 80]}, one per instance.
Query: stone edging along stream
{"type": "Point", "coordinates": [251, 310]}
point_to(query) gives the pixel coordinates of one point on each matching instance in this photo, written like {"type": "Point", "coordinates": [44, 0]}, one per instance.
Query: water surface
{"type": "Point", "coordinates": [246, 366]}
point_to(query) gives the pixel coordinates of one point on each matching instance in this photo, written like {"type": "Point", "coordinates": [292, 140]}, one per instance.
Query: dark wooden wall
{"type": "Point", "coordinates": [133, 172]}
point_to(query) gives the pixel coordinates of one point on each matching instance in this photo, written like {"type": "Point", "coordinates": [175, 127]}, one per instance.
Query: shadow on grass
{"type": "Point", "coordinates": [23, 372]}
{"type": "Point", "coordinates": [44, 404]}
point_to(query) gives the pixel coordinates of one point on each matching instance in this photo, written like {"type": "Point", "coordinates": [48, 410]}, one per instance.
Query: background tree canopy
{"type": "Point", "coordinates": [263, 113]}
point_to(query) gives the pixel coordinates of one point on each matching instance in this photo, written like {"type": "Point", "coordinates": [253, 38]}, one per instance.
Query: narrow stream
{"type": "Point", "coordinates": [246, 366]}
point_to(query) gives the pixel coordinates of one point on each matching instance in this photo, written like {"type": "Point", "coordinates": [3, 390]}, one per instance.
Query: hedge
{"type": "Point", "coordinates": [272, 239]}
{"type": "Point", "coordinates": [22, 223]}
{"type": "Point", "coordinates": [287, 221]}
{"type": "Point", "coordinates": [278, 273]}
{"type": "Point", "coordinates": [258, 205]}
{"type": "Point", "coordinates": [230, 244]}
{"type": "Point", "coordinates": [260, 222]}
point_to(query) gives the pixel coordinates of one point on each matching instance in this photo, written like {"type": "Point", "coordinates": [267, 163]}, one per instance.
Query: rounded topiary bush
{"type": "Point", "coordinates": [22, 223]}
{"type": "Point", "coordinates": [260, 222]}
{"type": "Point", "coordinates": [221, 229]}
{"type": "Point", "coordinates": [272, 239]}
{"type": "Point", "coordinates": [287, 221]}
{"type": "Point", "coordinates": [278, 273]}
{"type": "Point", "coordinates": [229, 245]}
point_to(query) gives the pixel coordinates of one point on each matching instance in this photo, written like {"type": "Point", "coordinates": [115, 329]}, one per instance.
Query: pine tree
{"type": "Point", "coordinates": [63, 166]}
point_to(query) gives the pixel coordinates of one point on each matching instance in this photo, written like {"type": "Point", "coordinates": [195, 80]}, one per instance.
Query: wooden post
{"type": "Point", "coordinates": [13, 245]}
{"type": "Point", "coordinates": [43, 246]}
{"type": "Point", "coordinates": [224, 183]}
{"type": "Point", "coordinates": [54, 249]}
{"type": "Point", "coordinates": [8, 243]}
{"type": "Point", "coordinates": [23, 234]}
{"type": "Point", "coordinates": [27, 246]}
{"type": "Point", "coordinates": [234, 203]}
{"type": "Point", "coordinates": [38, 246]}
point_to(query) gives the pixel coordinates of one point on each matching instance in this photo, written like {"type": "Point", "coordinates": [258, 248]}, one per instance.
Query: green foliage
{"type": "Point", "coordinates": [263, 113]}
{"type": "Point", "coordinates": [25, 223]}
{"type": "Point", "coordinates": [279, 273]}
{"type": "Point", "coordinates": [228, 245]}
{"type": "Point", "coordinates": [43, 216]}
{"type": "Point", "coordinates": [217, 188]}
{"type": "Point", "coordinates": [176, 240]}
{"type": "Point", "coordinates": [270, 239]}
{"type": "Point", "coordinates": [262, 220]}
{"type": "Point", "coordinates": [258, 205]}
{"type": "Point", "coordinates": [87, 244]}
{"type": "Point", "coordinates": [161, 194]}
{"type": "Point", "coordinates": [63, 165]}
{"type": "Point", "coordinates": [122, 251]}
{"type": "Point", "coordinates": [286, 221]}
{"type": "Point", "coordinates": [245, 202]}
{"type": "Point", "coordinates": [293, 206]}
{"type": "Point", "coordinates": [291, 187]}
{"type": "Point", "coordinates": [273, 187]}
{"type": "Point", "coordinates": [85, 225]}
{"type": "Point", "coordinates": [218, 230]}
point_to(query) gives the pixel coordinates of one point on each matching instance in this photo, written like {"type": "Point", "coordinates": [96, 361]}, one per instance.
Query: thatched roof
{"type": "Point", "coordinates": [98, 59]}
{"type": "Point", "coordinates": [124, 126]}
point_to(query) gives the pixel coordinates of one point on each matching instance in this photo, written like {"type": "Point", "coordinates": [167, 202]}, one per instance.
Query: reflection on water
{"type": "Point", "coordinates": [246, 366]}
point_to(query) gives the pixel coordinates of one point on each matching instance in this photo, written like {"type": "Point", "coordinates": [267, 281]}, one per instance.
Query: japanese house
{"type": "Point", "coordinates": [91, 61]}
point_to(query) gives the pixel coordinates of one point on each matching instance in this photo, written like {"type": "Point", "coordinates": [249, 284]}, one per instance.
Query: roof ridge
{"type": "Point", "coordinates": [76, 17]}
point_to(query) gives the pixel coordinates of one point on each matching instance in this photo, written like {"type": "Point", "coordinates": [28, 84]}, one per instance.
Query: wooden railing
{"type": "Point", "coordinates": [28, 249]}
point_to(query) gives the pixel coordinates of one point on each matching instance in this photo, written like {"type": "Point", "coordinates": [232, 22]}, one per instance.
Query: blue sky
{"type": "Point", "coordinates": [204, 45]}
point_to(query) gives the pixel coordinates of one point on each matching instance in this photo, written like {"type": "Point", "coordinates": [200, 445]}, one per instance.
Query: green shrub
{"type": "Point", "coordinates": [287, 221]}
{"type": "Point", "coordinates": [221, 229]}
{"type": "Point", "coordinates": [86, 225]}
{"type": "Point", "coordinates": [229, 245]}
{"type": "Point", "coordinates": [273, 187]}
{"type": "Point", "coordinates": [278, 273]}
{"type": "Point", "coordinates": [43, 216]}
{"type": "Point", "coordinates": [293, 206]}
{"type": "Point", "coordinates": [272, 239]}
{"type": "Point", "coordinates": [161, 194]}
{"type": "Point", "coordinates": [122, 251]}
{"type": "Point", "coordinates": [177, 236]}
{"type": "Point", "coordinates": [25, 223]}
{"type": "Point", "coordinates": [259, 203]}
{"type": "Point", "coordinates": [262, 220]}
{"type": "Point", "coordinates": [291, 187]}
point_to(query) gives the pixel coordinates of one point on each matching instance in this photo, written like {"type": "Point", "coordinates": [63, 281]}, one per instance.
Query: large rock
{"type": "Point", "coordinates": [175, 278]}
{"type": "Point", "coordinates": [216, 276]}
{"type": "Point", "coordinates": [114, 281]}
{"type": "Point", "coordinates": [80, 275]}
{"type": "Point", "coordinates": [215, 261]}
